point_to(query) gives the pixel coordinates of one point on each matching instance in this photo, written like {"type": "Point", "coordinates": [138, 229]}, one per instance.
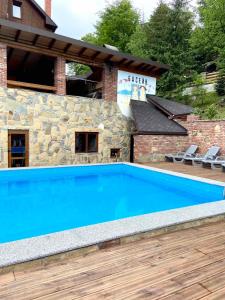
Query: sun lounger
{"type": "Point", "coordinates": [180, 156]}
{"type": "Point", "coordinates": [210, 155]}
{"type": "Point", "coordinates": [214, 164]}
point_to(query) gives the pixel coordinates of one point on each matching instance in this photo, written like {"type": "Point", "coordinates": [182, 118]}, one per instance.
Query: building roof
{"type": "Point", "coordinates": [48, 43]}
{"type": "Point", "coordinates": [150, 120]}
{"type": "Point", "coordinates": [48, 21]}
{"type": "Point", "coordinates": [171, 108]}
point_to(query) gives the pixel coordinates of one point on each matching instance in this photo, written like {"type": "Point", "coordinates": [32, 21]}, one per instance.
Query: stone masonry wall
{"type": "Point", "coordinates": [200, 132]}
{"type": "Point", "coordinates": [52, 122]}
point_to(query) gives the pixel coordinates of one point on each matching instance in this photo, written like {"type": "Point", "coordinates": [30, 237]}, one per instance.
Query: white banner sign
{"type": "Point", "coordinates": [135, 87]}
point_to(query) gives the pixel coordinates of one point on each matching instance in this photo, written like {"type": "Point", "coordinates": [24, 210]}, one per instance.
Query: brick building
{"type": "Point", "coordinates": [48, 117]}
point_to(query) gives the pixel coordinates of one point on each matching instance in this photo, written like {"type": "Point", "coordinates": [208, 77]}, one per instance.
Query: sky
{"type": "Point", "coordinates": [77, 18]}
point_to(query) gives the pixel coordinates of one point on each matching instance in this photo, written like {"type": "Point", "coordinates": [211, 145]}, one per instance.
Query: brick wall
{"type": "Point", "coordinates": [154, 147]}
{"type": "Point", "coordinates": [60, 76]}
{"type": "Point", "coordinates": [30, 16]}
{"type": "Point", "coordinates": [48, 7]}
{"type": "Point", "coordinates": [206, 133]}
{"type": "Point", "coordinates": [3, 65]}
{"type": "Point", "coordinates": [200, 132]}
{"type": "Point", "coordinates": [110, 83]}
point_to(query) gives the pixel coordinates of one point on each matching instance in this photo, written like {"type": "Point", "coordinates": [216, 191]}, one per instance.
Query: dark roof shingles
{"type": "Point", "coordinates": [150, 120]}
{"type": "Point", "coordinates": [172, 108]}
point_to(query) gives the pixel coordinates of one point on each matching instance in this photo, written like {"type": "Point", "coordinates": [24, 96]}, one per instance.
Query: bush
{"type": "Point", "coordinates": [220, 85]}
{"type": "Point", "coordinates": [211, 111]}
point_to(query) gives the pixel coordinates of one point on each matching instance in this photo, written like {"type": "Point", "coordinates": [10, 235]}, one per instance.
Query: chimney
{"type": "Point", "coordinates": [48, 7]}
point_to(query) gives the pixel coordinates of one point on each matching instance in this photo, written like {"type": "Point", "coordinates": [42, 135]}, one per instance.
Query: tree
{"type": "Point", "coordinates": [138, 44]}
{"type": "Point", "coordinates": [208, 39]}
{"type": "Point", "coordinates": [220, 85]}
{"type": "Point", "coordinates": [117, 24]}
{"type": "Point", "coordinates": [157, 33]}
{"type": "Point", "coordinates": [168, 32]}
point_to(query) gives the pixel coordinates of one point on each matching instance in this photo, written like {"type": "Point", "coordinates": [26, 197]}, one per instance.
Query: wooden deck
{"type": "Point", "coordinates": [187, 169]}
{"type": "Point", "coordinates": [187, 264]}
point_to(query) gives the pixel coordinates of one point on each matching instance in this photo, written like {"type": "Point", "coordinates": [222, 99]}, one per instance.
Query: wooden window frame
{"type": "Point", "coordinates": [19, 4]}
{"type": "Point", "coordinates": [118, 150]}
{"type": "Point", "coordinates": [19, 132]}
{"type": "Point", "coordinates": [87, 133]}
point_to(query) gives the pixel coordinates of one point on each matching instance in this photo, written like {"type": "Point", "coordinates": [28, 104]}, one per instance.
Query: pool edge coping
{"type": "Point", "coordinates": [26, 250]}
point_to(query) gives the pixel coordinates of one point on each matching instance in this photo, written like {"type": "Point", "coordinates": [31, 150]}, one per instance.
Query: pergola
{"type": "Point", "coordinates": [27, 45]}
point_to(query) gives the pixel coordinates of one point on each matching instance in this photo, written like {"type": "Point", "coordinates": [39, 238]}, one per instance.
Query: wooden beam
{"type": "Point", "coordinates": [140, 66]}
{"type": "Point", "coordinates": [82, 51]}
{"type": "Point", "coordinates": [17, 35]}
{"type": "Point", "coordinates": [67, 47]}
{"type": "Point", "coordinates": [122, 61]}
{"type": "Point", "coordinates": [145, 68]}
{"type": "Point", "coordinates": [129, 63]}
{"type": "Point", "coordinates": [96, 54]}
{"type": "Point", "coordinates": [31, 85]}
{"type": "Point", "coordinates": [35, 39]}
{"type": "Point", "coordinates": [51, 44]}
{"type": "Point", "coordinates": [155, 69]}
{"type": "Point", "coordinates": [108, 58]}
{"type": "Point", "coordinates": [53, 53]}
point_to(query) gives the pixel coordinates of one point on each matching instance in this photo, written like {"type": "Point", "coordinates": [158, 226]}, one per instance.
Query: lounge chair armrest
{"type": "Point", "coordinates": [190, 155]}
{"type": "Point", "coordinates": [180, 153]}
{"type": "Point", "coordinates": [199, 155]}
{"type": "Point", "coordinates": [220, 158]}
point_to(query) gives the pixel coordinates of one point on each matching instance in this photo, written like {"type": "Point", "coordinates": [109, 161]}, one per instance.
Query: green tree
{"type": "Point", "coordinates": [157, 33]}
{"type": "Point", "coordinates": [220, 85]}
{"type": "Point", "coordinates": [208, 39]}
{"type": "Point", "coordinates": [168, 33]}
{"type": "Point", "coordinates": [117, 24]}
{"type": "Point", "coordinates": [138, 44]}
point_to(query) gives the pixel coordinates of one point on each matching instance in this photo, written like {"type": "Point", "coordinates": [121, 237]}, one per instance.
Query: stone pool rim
{"type": "Point", "coordinates": [30, 249]}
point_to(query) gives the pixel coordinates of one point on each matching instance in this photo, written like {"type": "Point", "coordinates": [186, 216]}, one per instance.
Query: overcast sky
{"type": "Point", "coordinates": [76, 18]}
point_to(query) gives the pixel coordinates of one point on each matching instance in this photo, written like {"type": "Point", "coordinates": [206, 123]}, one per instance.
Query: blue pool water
{"type": "Point", "coordinates": [35, 202]}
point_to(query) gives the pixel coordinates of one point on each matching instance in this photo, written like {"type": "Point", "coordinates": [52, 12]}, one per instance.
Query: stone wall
{"type": "Point", "coordinates": [52, 122]}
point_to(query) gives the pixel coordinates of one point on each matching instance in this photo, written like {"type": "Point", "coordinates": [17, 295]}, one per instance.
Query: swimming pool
{"type": "Point", "coordinates": [36, 202]}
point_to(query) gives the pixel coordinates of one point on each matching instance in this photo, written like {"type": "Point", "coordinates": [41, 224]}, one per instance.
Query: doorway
{"type": "Point", "coordinates": [18, 148]}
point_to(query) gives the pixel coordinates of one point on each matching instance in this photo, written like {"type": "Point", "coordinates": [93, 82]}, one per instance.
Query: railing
{"type": "Point", "coordinates": [211, 77]}
{"type": "Point", "coordinates": [13, 83]}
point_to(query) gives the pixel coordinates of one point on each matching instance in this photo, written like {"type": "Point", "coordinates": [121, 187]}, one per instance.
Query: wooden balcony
{"type": "Point", "coordinates": [33, 86]}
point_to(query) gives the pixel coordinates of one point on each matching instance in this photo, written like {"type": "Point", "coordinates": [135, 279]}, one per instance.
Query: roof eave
{"type": "Point", "coordinates": [169, 113]}
{"type": "Point", "coordinates": [107, 52]}
{"type": "Point", "coordinates": [160, 133]}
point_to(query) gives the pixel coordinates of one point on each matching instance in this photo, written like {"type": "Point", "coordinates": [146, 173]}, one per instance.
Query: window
{"type": "Point", "coordinates": [115, 153]}
{"type": "Point", "coordinates": [17, 9]}
{"type": "Point", "coordinates": [86, 142]}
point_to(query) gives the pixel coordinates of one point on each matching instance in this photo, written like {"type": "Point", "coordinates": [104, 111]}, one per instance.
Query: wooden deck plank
{"type": "Point", "coordinates": [188, 169]}
{"type": "Point", "coordinates": [195, 291]}
{"type": "Point", "coordinates": [187, 264]}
